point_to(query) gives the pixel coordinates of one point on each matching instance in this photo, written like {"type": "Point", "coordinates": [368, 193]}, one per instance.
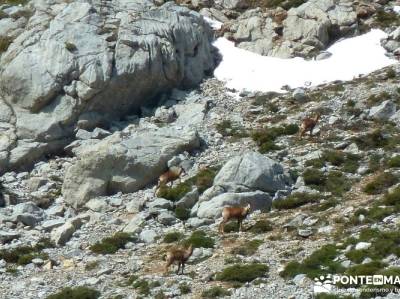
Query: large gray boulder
{"type": "Point", "coordinates": [301, 31]}
{"type": "Point", "coordinates": [212, 209]}
{"type": "Point", "coordinates": [254, 171]}
{"type": "Point", "coordinates": [86, 63]}
{"type": "Point", "coordinates": [124, 163]}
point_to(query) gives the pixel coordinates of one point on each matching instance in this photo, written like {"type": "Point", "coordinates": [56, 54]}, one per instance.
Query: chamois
{"type": "Point", "coordinates": [170, 175]}
{"type": "Point", "coordinates": [308, 124]}
{"type": "Point", "coordinates": [180, 255]}
{"type": "Point", "coordinates": [238, 213]}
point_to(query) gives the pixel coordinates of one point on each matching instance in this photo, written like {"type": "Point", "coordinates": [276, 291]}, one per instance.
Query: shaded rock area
{"type": "Point", "coordinates": [81, 65]}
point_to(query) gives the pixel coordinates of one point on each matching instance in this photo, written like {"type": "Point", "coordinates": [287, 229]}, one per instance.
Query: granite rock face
{"type": "Point", "coordinates": [82, 64]}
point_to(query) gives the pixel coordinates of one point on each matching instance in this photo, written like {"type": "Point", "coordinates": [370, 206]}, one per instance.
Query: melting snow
{"type": "Point", "coordinates": [245, 70]}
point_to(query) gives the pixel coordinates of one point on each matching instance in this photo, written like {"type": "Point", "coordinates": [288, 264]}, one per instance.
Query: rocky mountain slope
{"type": "Point", "coordinates": [98, 99]}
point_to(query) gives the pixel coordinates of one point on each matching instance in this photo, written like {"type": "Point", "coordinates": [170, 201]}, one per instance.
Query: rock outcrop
{"type": "Point", "coordinates": [80, 65]}
{"type": "Point", "coordinates": [301, 31]}
{"type": "Point", "coordinates": [248, 178]}
{"type": "Point", "coordinates": [124, 163]}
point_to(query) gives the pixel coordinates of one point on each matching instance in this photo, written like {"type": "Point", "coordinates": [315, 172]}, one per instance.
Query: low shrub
{"type": "Point", "coordinates": [142, 286]}
{"type": "Point", "coordinates": [320, 262]}
{"type": "Point", "coordinates": [242, 272]}
{"type": "Point", "coordinates": [215, 292]}
{"type": "Point", "coordinates": [248, 248]}
{"type": "Point", "coordinates": [174, 193]}
{"type": "Point", "coordinates": [394, 161]}
{"type": "Point", "coordinates": [199, 239]}
{"type": "Point", "coordinates": [265, 138]}
{"type": "Point", "coordinates": [76, 293]}
{"type": "Point", "coordinates": [380, 183]}
{"type": "Point", "coordinates": [182, 213]}
{"type": "Point", "coordinates": [392, 198]}
{"type": "Point", "coordinates": [334, 182]}
{"type": "Point", "coordinates": [5, 42]}
{"type": "Point", "coordinates": [295, 200]}
{"type": "Point", "coordinates": [112, 244]}
{"type": "Point", "coordinates": [173, 237]}
{"type": "Point", "coordinates": [25, 254]}
{"type": "Point", "coordinates": [184, 288]}
{"type": "Point", "coordinates": [227, 128]}
{"type": "Point", "coordinates": [260, 227]}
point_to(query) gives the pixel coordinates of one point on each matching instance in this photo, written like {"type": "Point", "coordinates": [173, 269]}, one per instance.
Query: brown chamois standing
{"type": "Point", "coordinates": [238, 213]}
{"type": "Point", "coordinates": [170, 175]}
{"type": "Point", "coordinates": [180, 255]}
{"type": "Point", "coordinates": [308, 124]}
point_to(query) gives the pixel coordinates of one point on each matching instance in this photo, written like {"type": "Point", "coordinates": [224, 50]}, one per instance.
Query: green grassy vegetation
{"type": "Point", "coordinates": [76, 293]}
{"type": "Point", "coordinates": [388, 205]}
{"type": "Point", "coordinates": [25, 254]}
{"type": "Point", "coordinates": [347, 161]}
{"type": "Point", "coordinates": [320, 262]}
{"type": "Point", "coordinates": [248, 248]}
{"type": "Point", "coordinates": [185, 288]}
{"type": "Point", "coordinates": [385, 19]}
{"type": "Point", "coordinates": [390, 73]}
{"type": "Point", "coordinates": [5, 42]}
{"type": "Point", "coordinates": [242, 272]}
{"type": "Point", "coordinates": [70, 47]}
{"type": "Point", "coordinates": [325, 204]}
{"type": "Point", "coordinates": [378, 138]}
{"type": "Point", "coordinates": [286, 4]}
{"type": "Point", "coordinates": [13, 2]}
{"type": "Point", "coordinates": [182, 213]}
{"type": "Point", "coordinates": [173, 237]}
{"type": "Point", "coordinates": [112, 244]}
{"type": "Point", "coordinates": [261, 227]}
{"type": "Point", "coordinates": [264, 99]}
{"type": "Point", "coordinates": [394, 162]}
{"type": "Point", "coordinates": [334, 181]}
{"type": "Point", "coordinates": [265, 138]}
{"type": "Point", "coordinates": [381, 183]}
{"type": "Point", "coordinates": [231, 226]}
{"type": "Point", "coordinates": [215, 292]}
{"type": "Point", "coordinates": [174, 193]}
{"type": "Point", "coordinates": [323, 260]}
{"type": "Point", "coordinates": [227, 129]}
{"type": "Point", "coordinates": [199, 239]}
{"type": "Point", "coordinates": [332, 296]}
{"type": "Point", "coordinates": [142, 286]}
{"type": "Point", "coordinates": [202, 180]}
{"type": "Point", "coordinates": [377, 99]}
{"type": "Point", "coordinates": [374, 163]}
{"type": "Point", "coordinates": [295, 200]}
{"type": "Point", "coordinates": [91, 265]}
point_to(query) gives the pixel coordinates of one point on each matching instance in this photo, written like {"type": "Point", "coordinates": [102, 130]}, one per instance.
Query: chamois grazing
{"type": "Point", "coordinates": [170, 175]}
{"type": "Point", "coordinates": [308, 124]}
{"type": "Point", "coordinates": [238, 213]}
{"type": "Point", "coordinates": [180, 255]}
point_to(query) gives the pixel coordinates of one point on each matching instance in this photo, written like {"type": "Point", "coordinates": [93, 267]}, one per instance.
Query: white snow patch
{"type": "Point", "coordinates": [396, 9]}
{"type": "Point", "coordinates": [213, 23]}
{"type": "Point", "coordinates": [245, 70]}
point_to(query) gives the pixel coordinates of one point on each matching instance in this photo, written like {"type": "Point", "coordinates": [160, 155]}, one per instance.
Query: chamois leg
{"type": "Point", "coordinates": [167, 267]}
{"type": "Point", "coordinates": [311, 131]}
{"type": "Point", "coordinates": [183, 267]}
{"type": "Point", "coordinates": [240, 225]}
{"type": "Point", "coordinates": [179, 266]}
{"type": "Point", "coordinates": [222, 226]}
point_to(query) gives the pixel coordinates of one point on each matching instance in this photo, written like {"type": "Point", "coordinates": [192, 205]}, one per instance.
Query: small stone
{"type": "Point", "coordinates": [37, 261]}
{"type": "Point", "coordinates": [304, 232]}
{"type": "Point", "coordinates": [363, 245]}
